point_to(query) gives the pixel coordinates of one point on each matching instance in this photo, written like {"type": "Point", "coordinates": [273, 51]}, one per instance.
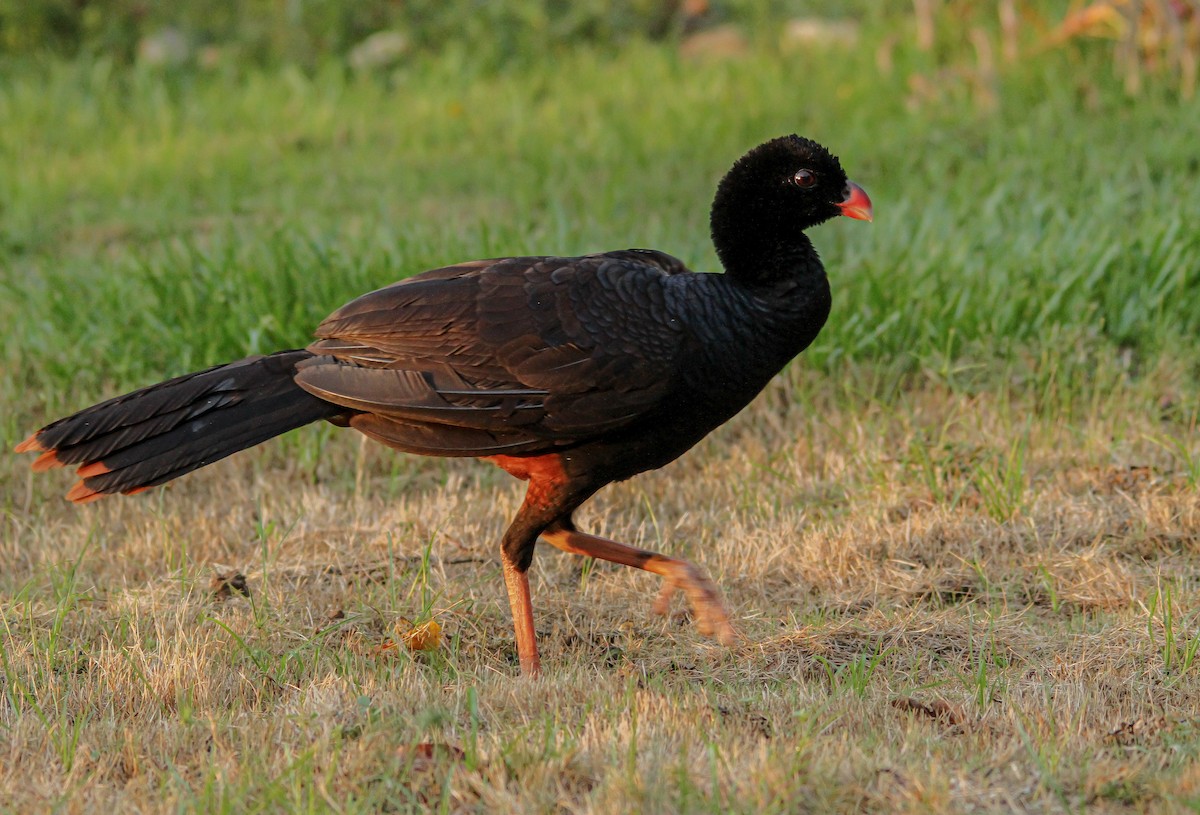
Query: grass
{"type": "Point", "coordinates": [960, 535]}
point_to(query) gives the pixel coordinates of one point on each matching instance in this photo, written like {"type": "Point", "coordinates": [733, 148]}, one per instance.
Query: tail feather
{"type": "Point", "coordinates": [191, 445]}
{"type": "Point", "coordinates": [120, 413]}
{"type": "Point", "coordinates": [46, 461]}
{"type": "Point", "coordinates": [151, 436]}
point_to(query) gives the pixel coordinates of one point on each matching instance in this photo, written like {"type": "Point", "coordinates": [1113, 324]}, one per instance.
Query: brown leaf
{"type": "Point", "coordinates": [425, 756]}
{"type": "Point", "coordinates": [1137, 730]}
{"type": "Point", "coordinates": [223, 585]}
{"type": "Point", "coordinates": [938, 709]}
{"type": "Point", "coordinates": [1132, 479]}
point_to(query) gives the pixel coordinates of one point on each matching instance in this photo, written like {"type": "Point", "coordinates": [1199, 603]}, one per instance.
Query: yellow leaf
{"type": "Point", "coordinates": [424, 637]}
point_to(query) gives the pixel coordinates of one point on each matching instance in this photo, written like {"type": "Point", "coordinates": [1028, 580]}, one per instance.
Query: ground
{"type": "Point", "coordinates": [960, 536]}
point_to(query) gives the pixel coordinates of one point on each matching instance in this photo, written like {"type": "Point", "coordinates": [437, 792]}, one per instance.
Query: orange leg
{"type": "Point", "coordinates": [709, 610]}
{"type": "Point", "coordinates": [517, 582]}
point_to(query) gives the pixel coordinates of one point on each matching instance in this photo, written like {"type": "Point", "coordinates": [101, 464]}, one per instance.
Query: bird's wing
{"type": "Point", "coordinates": [506, 355]}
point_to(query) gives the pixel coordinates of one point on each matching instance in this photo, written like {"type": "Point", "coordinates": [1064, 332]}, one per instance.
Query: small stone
{"type": "Point", "coordinates": [167, 47]}
{"type": "Point", "coordinates": [809, 32]}
{"type": "Point", "coordinates": [380, 50]}
{"type": "Point", "coordinates": [720, 42]}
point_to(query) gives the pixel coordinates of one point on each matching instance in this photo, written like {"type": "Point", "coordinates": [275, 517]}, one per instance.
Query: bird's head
{"type": "Point", "coordinates": [789, 181]}
{"type": "Point", "coordinates": [770, 196]}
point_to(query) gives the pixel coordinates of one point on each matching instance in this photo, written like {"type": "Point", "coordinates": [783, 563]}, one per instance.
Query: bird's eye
{"type": "Point", "coordinates": [804, 178]}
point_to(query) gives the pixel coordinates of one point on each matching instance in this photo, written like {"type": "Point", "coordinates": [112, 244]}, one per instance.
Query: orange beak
{"type": "Point", "coordinates": [856, 204]}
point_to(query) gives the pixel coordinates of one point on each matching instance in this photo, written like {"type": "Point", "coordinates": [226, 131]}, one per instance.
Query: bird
{"type": "Point", "coordinates": [570, 373]}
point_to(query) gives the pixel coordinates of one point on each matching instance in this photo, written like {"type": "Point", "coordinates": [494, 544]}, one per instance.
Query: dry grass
{"type": "Point", "coordinates": [961, 537]}
{"type": "Point", "coordinates": [950, 603]}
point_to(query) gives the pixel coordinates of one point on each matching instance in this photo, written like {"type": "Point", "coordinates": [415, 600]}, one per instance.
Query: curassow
{"type": "Point", "coordinates": [568, 372]}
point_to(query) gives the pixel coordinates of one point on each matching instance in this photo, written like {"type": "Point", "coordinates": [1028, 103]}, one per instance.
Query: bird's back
{"type": "Point", "coordinates": [626, 352]}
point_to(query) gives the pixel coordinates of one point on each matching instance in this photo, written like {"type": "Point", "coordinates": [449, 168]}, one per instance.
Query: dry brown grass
{"type": "Point", "coordinates": [951, 602]}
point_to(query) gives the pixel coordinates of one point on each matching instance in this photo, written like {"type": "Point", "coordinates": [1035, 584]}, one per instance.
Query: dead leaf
{"type": "Point", "coordinates": [425, 756]}
{"type": "Point", "coordinates": [938, 709]}
{"type": "Point", "coordinates": [1133, 479]}
{"type": "Point", "coordinates": [1137, 730]}
{"type": "Point", "coordinates": [424, 637]}
{"type": "Point", "coordinates": [224, 585]}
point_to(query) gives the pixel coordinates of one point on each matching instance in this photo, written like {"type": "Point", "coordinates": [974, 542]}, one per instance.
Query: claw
{"type": "Point", "coordinates": [708, 610]}
{"type": "Point", "coordinates": [662, 603]}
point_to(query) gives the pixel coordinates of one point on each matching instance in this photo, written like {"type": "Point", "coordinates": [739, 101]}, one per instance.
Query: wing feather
{"type": "Point", "coordinates": [506, 355]}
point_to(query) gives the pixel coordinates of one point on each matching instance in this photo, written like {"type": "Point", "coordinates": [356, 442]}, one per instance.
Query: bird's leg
{"type": "Point", "coordinates": [544, 501]}
{"type": "Point", "coordinates": [517, 582]}
{"type": "Point", "coordinates": [711, 617]}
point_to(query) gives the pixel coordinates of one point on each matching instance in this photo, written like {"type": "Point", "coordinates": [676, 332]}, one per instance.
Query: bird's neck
{"type": "Point", "coordinates": [760, 260]}
{"type": "Point", "coordinates": [762, 249]}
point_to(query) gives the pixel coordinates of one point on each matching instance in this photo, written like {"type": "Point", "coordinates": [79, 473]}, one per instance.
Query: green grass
{"type": "Point", "coordinates": [241, 211]}
{"type": "Point", "coordinates": [975, 491]}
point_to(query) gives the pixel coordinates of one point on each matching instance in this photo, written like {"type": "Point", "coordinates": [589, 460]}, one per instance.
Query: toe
{"type": "Point", "coordinates": [662, 603]}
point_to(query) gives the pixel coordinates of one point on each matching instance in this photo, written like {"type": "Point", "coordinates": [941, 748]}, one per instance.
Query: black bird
{"type": "Point", "coordinates": [568, 372]}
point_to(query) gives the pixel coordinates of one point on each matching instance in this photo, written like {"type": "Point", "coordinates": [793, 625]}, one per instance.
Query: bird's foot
{"type": "Point", "coordinates": [708, 609]}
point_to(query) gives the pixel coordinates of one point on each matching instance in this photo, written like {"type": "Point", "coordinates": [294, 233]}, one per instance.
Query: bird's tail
{"type": "Point", "coordinates": [148, 437]}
